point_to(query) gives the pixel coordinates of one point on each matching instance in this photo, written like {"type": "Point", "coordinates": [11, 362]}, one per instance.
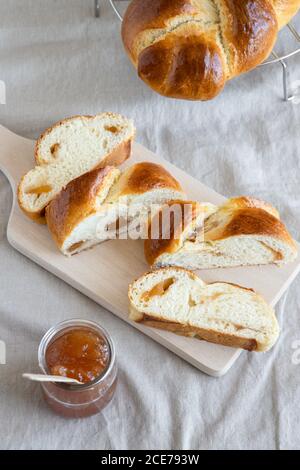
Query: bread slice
{"type": "Point", "coordinates": [244, 231]}
{"type": "Point", "coordinates": [74, 216]}
{"type": "Point", "coordinates": [177, 300]}
{"type": "Point", "coordinates": [105, 204]}
{"type": "Point", "coordinates": [69, 149]}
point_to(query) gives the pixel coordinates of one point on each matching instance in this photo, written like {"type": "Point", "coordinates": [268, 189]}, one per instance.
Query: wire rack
{"type": "Point", "coordinates": [282, 60]}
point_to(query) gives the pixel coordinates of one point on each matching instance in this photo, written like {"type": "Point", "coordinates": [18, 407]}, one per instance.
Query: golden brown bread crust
{"type": "Point", "coordinates": [115, 158]}
{"type": "Point", "coordinates": [250, 202]}
{"type": "Point", "coordinates": [184, 67]}
{"type": "Point", "coordinates": [188, 49]}
{"type": "Point", "coordinates": [146, 176]}
{"type": "Point", "coordinates": [239, 216]}
{"type": "Point", "coordinates": [248, 222]}
{"type": "Point", "coordinates": [118, 156]}
{"type": "Point", "coordinates": [143, 15]}
{"type": "Point", "coordinates": [141, 178]}
{"type": "Point", "coordinates": [38, 217]}
{"type": "Point", "coordinates": [212, 336]}
{"type": "Point", "coordinates": [75, 202]}
{"type": "Point", "coordinates": [249, 30]}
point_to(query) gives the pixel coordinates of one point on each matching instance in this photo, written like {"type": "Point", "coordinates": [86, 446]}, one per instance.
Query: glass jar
{"type": "Point", "coordinates": [79, 401]}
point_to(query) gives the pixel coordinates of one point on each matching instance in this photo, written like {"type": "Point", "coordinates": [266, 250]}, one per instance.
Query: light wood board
{"type": "Point", "coordinates": [103, 274]}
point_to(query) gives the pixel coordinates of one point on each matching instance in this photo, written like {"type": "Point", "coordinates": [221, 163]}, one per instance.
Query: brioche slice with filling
{"type": "Point", "coordinates": [106, 204]}
{"type": "Point", "coordinates": [69, 149]}
{"type": "Point", "coordinates": [244, 231]}
{"type": "Point", "coordinates": [177, 300]}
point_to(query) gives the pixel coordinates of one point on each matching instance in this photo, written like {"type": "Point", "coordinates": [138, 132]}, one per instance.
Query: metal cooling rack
{"type": "Point", "coordinates": [288, 94]}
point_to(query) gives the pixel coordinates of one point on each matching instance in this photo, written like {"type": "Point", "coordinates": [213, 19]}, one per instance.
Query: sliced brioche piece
{"type": "Point", "coordinates": [143, 188]}
{"type": "Point", "coordinates": [177, 300]}
{"type": "Point", "coordinates": [93, 207]}
{"type": "Point", "coordinates": [145, 183]}
{"type": "Point", "coordinates": [76, 214]}
{"type": "Point", "coordinates": [244, 231]}
{"type": "Point", "coordinates": [174, 223]}
{"type": "Point", "coordinates": [69, 149]}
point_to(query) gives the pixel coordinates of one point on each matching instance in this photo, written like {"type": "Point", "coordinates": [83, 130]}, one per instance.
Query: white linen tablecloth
{"type": "Point", "coordinates": [58, 60]}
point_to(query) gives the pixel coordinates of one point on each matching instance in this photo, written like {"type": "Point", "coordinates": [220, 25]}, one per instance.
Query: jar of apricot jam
{"type": "Point", "coordinates": [82, 350]}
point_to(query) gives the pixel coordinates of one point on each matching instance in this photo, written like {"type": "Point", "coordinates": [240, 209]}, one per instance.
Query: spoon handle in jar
{"type": "Point", "coordinates": [50, 378]}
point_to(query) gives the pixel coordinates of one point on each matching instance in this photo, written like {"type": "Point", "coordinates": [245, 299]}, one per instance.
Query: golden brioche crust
{"type": "Point", "coordinates": [188, 49]}
{"type": "Point", "coordinates": [141, 178]}
{"type": "Point", "coordinates": [115, 158]}
{"type": "Point", "coordinates": [147, 176]}
{"type": "Point", "coordinates": [239, 216]}
{"type": "Point", "coordinates": [38, 217]}
{"type": "Point", "coordinates": [248, 222]}
{"type": "Point", "coordinates": [76, 201]}
{"type": "Point", "coordinates": [212, 336]}
{"type": "Point", "coordinates": [146, 15]}
{"type": "Point", "coordinates": [249, 30]}
{"type": "Point", "coordinates": [184, 67]}
{"type": "Point", "coordinates": [251, 202]}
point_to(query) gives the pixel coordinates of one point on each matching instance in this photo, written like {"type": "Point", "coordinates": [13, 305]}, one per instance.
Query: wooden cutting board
{"type": "Point", "coordinates": [103, 274]}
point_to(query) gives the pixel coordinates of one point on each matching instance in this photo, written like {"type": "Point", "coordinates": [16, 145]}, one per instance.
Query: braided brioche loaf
{"type": "Point", "coordinates": [244, 231]}
{"type": "Point", "coordinates": [106, 202]}
{"type": "Point", "coordinates": [188, 49]}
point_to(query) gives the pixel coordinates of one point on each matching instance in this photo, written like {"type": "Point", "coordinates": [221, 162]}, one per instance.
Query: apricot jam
{"type": "Point", "coordinates": [79, 354]}
{"type": "Point", "coordinates": [84, 351]}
